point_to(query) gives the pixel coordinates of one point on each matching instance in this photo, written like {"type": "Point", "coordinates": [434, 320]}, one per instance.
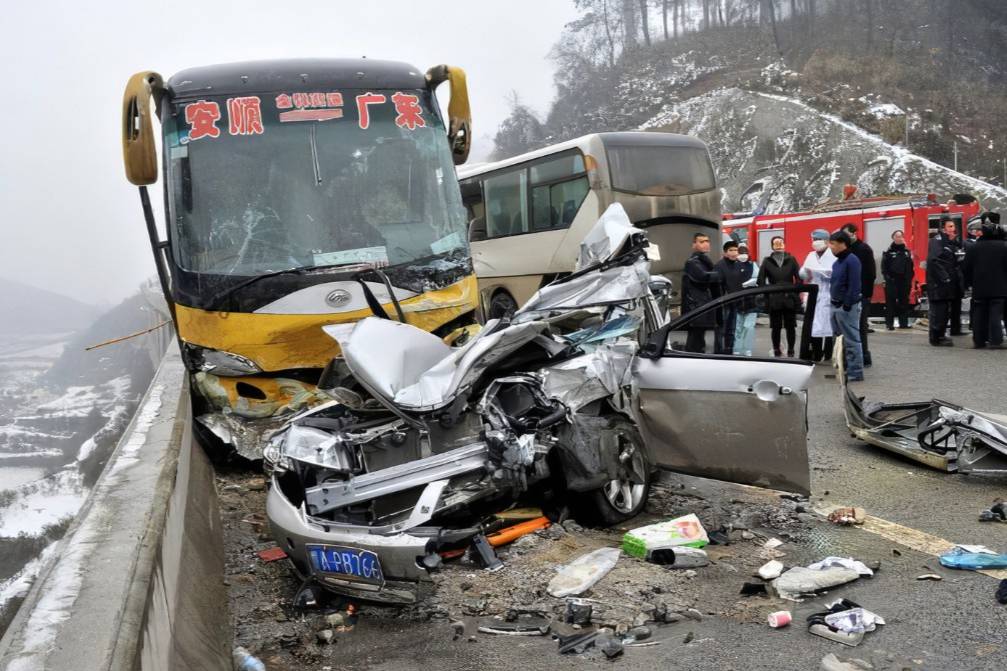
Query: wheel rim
{"type": "Point", "coordinates": [623, 494]}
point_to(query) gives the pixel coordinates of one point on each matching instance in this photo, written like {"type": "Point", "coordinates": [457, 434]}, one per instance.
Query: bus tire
{"type": "Point", "coordinates": [502, 306]}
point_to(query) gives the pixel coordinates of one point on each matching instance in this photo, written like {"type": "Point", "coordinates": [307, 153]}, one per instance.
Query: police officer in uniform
{"type": "Point", "coordinates": [985, 270]}
{"type": "Point", "coordinates": [943, 281]}
{"type": "Point", "coordinates": [897, 270]}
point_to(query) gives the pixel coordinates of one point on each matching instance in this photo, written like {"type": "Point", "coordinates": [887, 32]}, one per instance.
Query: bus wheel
{"type": "Point", "coordinates": [502, 306]}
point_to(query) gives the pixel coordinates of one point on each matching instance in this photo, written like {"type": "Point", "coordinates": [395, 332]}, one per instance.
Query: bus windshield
{"type": "Point", "coordinates": [262, 183]}
{"type": "Point", "coordinates": [660, 170]}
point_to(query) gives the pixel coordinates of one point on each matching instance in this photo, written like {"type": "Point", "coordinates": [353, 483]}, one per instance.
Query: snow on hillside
{"type": "Point", "coordinates": [780, 153]}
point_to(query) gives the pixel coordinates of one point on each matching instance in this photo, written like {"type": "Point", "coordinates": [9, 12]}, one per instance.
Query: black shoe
{"type": "Point", "coordinates": [958, 333]}
{"type": "Point", "coordinates": [978, 346]}
{"type": "Point", "coordinates": [790, 353]}
{"type": "Point", "coordinates": [889, 328]}
{"type": "Point", "coordinates": [907, 326]}
{"type": "Point", "coordinates": [943, 342]}
{"type": "Point", "coordinates": [870, 331]}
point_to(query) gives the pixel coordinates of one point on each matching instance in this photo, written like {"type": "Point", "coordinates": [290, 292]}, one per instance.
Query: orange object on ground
{"type": "Point", "coordinates": [272, 554]}
{"type": "Point", "coordinates": [511, 534]}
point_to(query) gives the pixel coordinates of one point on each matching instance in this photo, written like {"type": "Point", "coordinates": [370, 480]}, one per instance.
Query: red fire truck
{"type": "Point", "coordinates": [917, 216]}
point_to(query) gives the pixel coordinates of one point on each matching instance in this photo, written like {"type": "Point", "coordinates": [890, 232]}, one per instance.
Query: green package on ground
{"type": "Point", "coordinates": [686, 531]}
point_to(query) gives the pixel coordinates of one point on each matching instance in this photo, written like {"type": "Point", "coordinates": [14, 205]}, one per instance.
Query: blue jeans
{"type": "Point", "coordinates": [744, 333]}
{"type": "Point", "coordinates": [847, 324]}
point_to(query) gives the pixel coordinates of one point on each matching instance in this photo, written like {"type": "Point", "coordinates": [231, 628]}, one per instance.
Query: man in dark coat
{"type": "Point", "coordinates": [731, 273]}
{"type": "Point", "coordinates": [700, 285]}
{"type": "Point", "coordinates": [897, 269]}
{"type": "Point", "coordinates": [844, 293]}
{"type": "Point", "coordinates": [985, 270]}
{"type": "Point", "coordinates": [943, 281]}
{"type": "Point", "coordinates": [868, 274]}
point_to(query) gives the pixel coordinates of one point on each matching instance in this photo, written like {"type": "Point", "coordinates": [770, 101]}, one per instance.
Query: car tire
{"type": "Point", "coordinates": [502, 306]}
{"type": "Point", "coordinates": [621, 499]}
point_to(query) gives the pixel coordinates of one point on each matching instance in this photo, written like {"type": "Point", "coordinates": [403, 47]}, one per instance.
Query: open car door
{"type": "Point", "coordinates": [727, 417]}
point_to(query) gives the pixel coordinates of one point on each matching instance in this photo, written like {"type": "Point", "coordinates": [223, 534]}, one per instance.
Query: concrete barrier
{"type": "Point", "coordinates": [137, 582]}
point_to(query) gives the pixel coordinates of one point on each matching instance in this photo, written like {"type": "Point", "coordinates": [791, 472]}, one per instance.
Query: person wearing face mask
{"type": "Point", "coordinates": [748, 310]}
{"type": "Point", "coordinates": [817, 269]}
{"type": "Point", "coordinates": [897, 271]}
{"type": "Point", "coordinates": [780, 268]}
{"type": "Point", "coordinates": [730, 271]}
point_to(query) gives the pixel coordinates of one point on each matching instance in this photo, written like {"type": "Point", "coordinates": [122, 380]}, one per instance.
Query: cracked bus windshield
{"type": "Point", "coordinates": [307, 188]}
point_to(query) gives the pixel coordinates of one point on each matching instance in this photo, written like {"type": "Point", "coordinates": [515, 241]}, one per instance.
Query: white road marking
{"type": "Point", "coordinates": [913, 539]}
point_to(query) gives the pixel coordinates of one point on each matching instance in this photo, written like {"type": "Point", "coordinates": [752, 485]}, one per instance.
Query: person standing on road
{"type": "Point", "coordinates": [897, 271]}
{"type": "Point", "coordinates": [942, 281]}
{"type": "Point", "coordinates": [730, 272]}
{"type": "Point", "coordinates": [780, 268]}
{"type": "Point", "coordinates": [700, 285]}
{"type": "Point", "coordinates": [985, 270]}
{"type": "Point", "coordinates": [748, 310]}
{"type": "Point", "coordinates": [868, 275]}
{"type": "Point", "coordinates": [817, 269]}
{"type": "Point", "coordinates": [846, 298]}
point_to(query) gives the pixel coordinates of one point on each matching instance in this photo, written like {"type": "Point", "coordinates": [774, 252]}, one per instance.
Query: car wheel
{"type": "Point", "coordinates": [502, 306]}
{"type": "Point", "coordinates": [624, 497]}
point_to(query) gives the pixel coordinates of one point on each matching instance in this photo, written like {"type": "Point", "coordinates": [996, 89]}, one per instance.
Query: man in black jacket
{"type": "Point", "coordinates": [897, 269]}
{"type": "Point", "coordinates": [730, 273]}
{"type": "Point", "coordinates": [985, 270]}
{"type": "Point", "coordinates": [943, 281]}
{"type": "Point", "coordinates": [700, 285]}
{"type": "Point", "coordinates": [868, 274]}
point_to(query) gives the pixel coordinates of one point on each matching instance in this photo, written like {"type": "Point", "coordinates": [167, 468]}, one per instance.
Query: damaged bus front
{"type": "Point", "coordinates": [298, 194]}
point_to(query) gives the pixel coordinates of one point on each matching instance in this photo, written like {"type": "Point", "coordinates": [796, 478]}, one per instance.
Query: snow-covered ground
{"type": "Point", "coordinates": [43, 502]}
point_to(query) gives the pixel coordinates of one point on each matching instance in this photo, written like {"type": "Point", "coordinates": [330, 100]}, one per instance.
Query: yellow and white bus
{"type": "Point", "coordinates": [528, 214]}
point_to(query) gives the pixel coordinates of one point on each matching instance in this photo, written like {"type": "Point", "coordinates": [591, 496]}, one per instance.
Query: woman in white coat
{"type": "Point", "coordinates": [817, 269]}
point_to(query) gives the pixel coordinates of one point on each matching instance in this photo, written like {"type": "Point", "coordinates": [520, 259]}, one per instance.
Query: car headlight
{"type": "Point", "coordinates": [222, 363]}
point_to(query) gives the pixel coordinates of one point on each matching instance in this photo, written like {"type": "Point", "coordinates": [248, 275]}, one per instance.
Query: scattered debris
{"type": "Point", "coordinates": [512, 533]}
{"type": "Point", "coordinates": [973, 558]}
{"type": "Point", "coordinates": [771, 570]}
{"type": "Point", "coordinates": [1002, 592]}
{"type": "Point", "coordinates": [754, 588]}
{"type": "Point", "coordinates": [780, 618]}
{"type": "Point", "coordinates": [679, 557]}
{"type": "Point", "coordinates": [485, 553]}
{"type": "Point", "coordinates": [578, 611]}
{"type": "Point", "coordinates": [272, 554]}
{"type": "Point", "coordinates": [519, 514]}
{"type": "Point", "coordinates": [845, 562]}
{"type": "Point", "coordinates": [246, 661]}
{"type": "Point", "coordinates": [854, 620]}
{"type": "Point", "coordinates": [772, 543]}
{"type": "Point", "coordinates": [996, 513]}
{"type": "Point", "coordinates": [844, 622]}
{"type": "Point", "coordinates": [325, 636]}
{"type": "Point", "coordinates": [582, 573]}
{"type": "Point", "coordinates": [929, 576]}
{"type": "Point", "coordinates": [523, 625]}
{"type": "Point", "coordinates": [640, 633]}
{"type": "Point", "coordinates": [609, 645]}
{"type": "Point", "coordinates": [801, 581]}
{"type": "Point", "coordinates": [848, 516]}
{"type": "Point", "coordinates": [686, 531]}
{"type": "Point", "coordinates": [832, 663]}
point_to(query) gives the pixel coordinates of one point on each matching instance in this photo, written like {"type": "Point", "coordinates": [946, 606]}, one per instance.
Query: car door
{"type": "Point", "coordinates": [740, 419]}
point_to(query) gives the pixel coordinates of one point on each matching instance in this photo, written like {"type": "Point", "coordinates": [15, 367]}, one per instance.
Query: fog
{"type": "Point", "coordinates": [70, 221]}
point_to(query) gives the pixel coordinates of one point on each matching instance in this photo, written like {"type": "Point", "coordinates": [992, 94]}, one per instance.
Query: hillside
{"type": "Point", "coordinates": [795, 99]}
{"type": "Point", "coordinates": [28, 310]}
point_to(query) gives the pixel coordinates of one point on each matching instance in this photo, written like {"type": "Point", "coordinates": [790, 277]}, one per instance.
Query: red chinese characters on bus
{"type": "Point", "coordinates": [310, 106]}
{"type": "Point", "coordinates": [408, 112]}
{"type": "Point", "coordinates": [244, 116]}
{"type": "Point", "coordinates": [202, 117]}
{"type": "Point", "coordinates": [364, 100]}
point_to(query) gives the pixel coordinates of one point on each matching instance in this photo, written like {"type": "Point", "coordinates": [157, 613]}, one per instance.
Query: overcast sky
{"type": "Point", "coordinates": [70, 221]}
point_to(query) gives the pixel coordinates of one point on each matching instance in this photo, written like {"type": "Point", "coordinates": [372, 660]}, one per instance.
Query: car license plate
{"type": "Point", "coordinates": [348, 563]}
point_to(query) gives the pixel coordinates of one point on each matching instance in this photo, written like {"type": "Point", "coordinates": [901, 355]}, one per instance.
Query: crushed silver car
{"type": "Point", "coordinates": [422, 440]}
{"type": "Point", "coordinates": [939, 434]}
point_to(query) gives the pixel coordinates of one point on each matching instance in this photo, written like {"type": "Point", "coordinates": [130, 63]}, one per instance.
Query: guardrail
{"type": "Point", "coordinates": [137, 582]}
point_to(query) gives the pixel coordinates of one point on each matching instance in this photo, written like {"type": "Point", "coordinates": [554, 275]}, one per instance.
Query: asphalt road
{"type": "Point", "coordinates": [952, 624]}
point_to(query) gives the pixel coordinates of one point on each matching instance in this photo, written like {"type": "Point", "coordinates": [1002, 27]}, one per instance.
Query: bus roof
{"type": "Point", "coordinates": [624, 138]}
{"type": "Point", "coordinates": [294, 74]}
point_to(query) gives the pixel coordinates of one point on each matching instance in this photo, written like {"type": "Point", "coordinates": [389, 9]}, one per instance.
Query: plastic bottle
{"type": "Point", "coordinates": [246, 661]}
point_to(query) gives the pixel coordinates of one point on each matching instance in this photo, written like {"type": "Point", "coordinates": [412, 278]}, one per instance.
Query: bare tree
{"type": "Point", "coordinates": [664, 17]}
{"type": "Point", "coordinates": [706, 14]}
{"type": "Point", "coordinates": [768, 14]}
{"type": "Point", "coordinates": [628, 24]}
{"type": "Point", "coordinates": [645, 21]}
{"type": "Point", "coordinates": [869, 16]}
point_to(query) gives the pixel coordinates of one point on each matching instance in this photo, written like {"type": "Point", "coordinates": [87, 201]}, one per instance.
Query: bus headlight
{"type": "Point", "coordinates": [223, 363]}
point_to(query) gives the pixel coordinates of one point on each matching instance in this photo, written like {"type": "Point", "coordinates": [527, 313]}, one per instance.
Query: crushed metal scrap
{"type": "Point", "coordinates": [421, 440]}
{"type": "Point", "coordinates": [937, 433]}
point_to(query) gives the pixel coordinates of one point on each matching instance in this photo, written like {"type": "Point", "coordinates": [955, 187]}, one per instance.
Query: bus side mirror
{"type": "Point", "coordinates": [139, 153]}
{"type": "Point", "coordinates": [459, 114]}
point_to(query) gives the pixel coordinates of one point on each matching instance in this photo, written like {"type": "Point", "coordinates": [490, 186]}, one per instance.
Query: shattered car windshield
{"type": "Point", "coordinates": [263, 183]}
